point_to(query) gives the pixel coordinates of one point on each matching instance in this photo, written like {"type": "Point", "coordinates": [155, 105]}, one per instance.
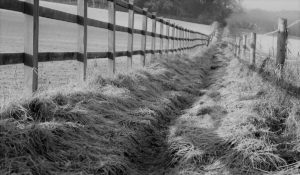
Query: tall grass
{"type": "Point", "coordinates": [269, 125]}
{"type": "Point", "coordinates": [247, 122]}
{"type": "Point", "coordinates": [108, 126]}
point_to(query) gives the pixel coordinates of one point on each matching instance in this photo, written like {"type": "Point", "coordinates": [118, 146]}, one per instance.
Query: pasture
{"type": "Point", "coordinates": [225, 109]}
{"type": "Point", "coordinates": [58, 36]}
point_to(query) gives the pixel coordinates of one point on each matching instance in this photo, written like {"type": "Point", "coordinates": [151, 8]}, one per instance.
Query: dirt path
{"type": "Point", "coordinates": [206, 109]}
{"type": "Point", "coordinates": [199, 126]}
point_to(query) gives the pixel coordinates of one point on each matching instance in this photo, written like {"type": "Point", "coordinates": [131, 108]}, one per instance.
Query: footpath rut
{"type": "Point", "coordinates": [206, 114]}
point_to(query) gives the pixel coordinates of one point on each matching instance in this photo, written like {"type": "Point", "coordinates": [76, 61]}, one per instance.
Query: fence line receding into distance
{"type": "Point", "coordinates": [240, 49]}
{"type": "Point", "coordinates": [181, 37]}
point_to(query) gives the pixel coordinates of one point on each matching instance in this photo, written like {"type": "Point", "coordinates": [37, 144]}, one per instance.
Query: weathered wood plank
{"type": "Point", "coordinates": [173, 38]}
{"type": "Point", "coordinates": [161, 38]}
{"type": "Point", "coordinates": [281, 41]}
{"type": "Point", "coordinates": [168, 35]}
{"type": "Point", "coordinates": [190, 40]}
{"type": "Point", "coordinates": [82, 40]}
{"type": "Point", "coordinates": [244, 47]}
{"type": "Point", "coordinates": [235, 47]}
{"type": "Point", "coordinates": [153, 43]}
{"type": "Point", "coordinates": [31, 48]}
{"type": "Point", "coordinates": [180, 39]}
{"type": "Point", "coordinates": [253, 49]}
{"type": "Point", "coordinates": [239, 47]}
{"type": "Point", "coordinates": [176, 39]}
{"type": "Point", "coordinates": [185, 40]}
{"type": "Point", "coordinates": [13, 5]}
{"type": "Point", "coordinates": [130, 34]}
{"type": "Point", "coordinates": [111, 37]}
{"type": "Point", "coordinates": [144, 37]}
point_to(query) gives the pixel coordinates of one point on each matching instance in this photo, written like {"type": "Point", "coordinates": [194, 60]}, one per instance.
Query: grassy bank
{"type": "Point", "coordinates": [109, 126]}
{"type": "Point", "coordinates": [247, 122]}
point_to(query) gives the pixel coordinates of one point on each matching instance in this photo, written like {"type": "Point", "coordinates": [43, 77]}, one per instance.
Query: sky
{"type": "Point", "coordinates": [272, 5]}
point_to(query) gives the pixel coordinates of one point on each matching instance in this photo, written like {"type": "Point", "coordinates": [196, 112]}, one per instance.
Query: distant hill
{"type": "Point", "coordinates": [264, 21]}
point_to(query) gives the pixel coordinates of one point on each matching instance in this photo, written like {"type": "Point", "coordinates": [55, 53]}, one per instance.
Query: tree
{"type": "Point", "coordinates": [205, 11]}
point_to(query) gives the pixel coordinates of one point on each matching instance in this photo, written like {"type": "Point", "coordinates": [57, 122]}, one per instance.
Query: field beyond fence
{"type": "Point", "coordinates": [276, 45]}
{"type": "Point", "coordinates": [36, 34]}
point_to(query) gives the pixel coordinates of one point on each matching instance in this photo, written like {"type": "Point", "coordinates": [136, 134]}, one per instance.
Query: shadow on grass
{"type": "Point", "coordinates": [274, 79]}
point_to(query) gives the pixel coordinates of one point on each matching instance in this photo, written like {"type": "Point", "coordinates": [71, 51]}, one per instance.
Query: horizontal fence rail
{"type": "Point", "coordinates": [178, 40]}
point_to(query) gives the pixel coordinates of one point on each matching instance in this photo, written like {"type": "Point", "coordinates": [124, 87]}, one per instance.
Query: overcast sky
{"type": "Point", "coordinates": [272, 5]}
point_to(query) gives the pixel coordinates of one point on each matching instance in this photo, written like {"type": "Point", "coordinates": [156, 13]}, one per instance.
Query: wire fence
{"type": "Point", "coordinates": [267, 44]}
{"type": "Point", "coordinates": [277, 45]}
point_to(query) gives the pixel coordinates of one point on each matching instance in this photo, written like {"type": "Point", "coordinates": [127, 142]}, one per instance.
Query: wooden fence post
{"type": "Point", "coordinates": [168, 36]}
{"type": "Point", "coordinates": [239, 47]}
{"type": "Point", "coordinates": [208, 41]}
{"type": "Point", "coordinates": [173, 38]}
{"type": "Point", "coordinates": [161, 37]}
{"type": "Point", "coordinates": [82, 39]}
{"type": "Point", "coordinates": [195, 41]}
{"type": "Point", "coordinates": [111, 37]}
{"type": "Point", "coordinates": [184, 39]}
{"type": "Point", "coordinates": [177, 39]}
{"type": "Point", "coordinates": [244, 46]}
{"type": "Point", "coordinates": [130, 34]}
{"type": "Point", "coordinates": [281, 42]}
{"type": "Point", "coordinates": [189, 40]}
{"type": "Point", "coordinates": [153, 44]}
{"type": "Point", "coordinates": [180, 41]}
{"type": "Point", "coordinates": [31, 49]}
{"type": "Point", "coordinates": [235, 46]}
{"type": "Point", "coordinates": [144, 37]}
{"type": "Point", "coordinates": [253, 49]}
{"type": "Point", "coordinates": [194, 37]}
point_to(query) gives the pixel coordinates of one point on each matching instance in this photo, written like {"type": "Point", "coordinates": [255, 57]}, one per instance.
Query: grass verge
{"type": "Point", "coordinates": [109, 126]}
{"type": "Point", "coordinates": [245, 123]}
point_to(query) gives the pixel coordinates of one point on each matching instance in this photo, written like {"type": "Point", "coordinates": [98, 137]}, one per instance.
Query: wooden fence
{"type": "Point", "coordinates": [180, 37]}
{"type": "Point", "coordinates": [248, 43]}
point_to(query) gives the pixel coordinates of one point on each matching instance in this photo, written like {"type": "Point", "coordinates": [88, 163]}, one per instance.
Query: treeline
{"type": "Point", "coordinates": [201, 11]}
{"type": "Point", "coordinates": [204, 11]}
{"type": "Point", "coordinates": [91, 3]}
